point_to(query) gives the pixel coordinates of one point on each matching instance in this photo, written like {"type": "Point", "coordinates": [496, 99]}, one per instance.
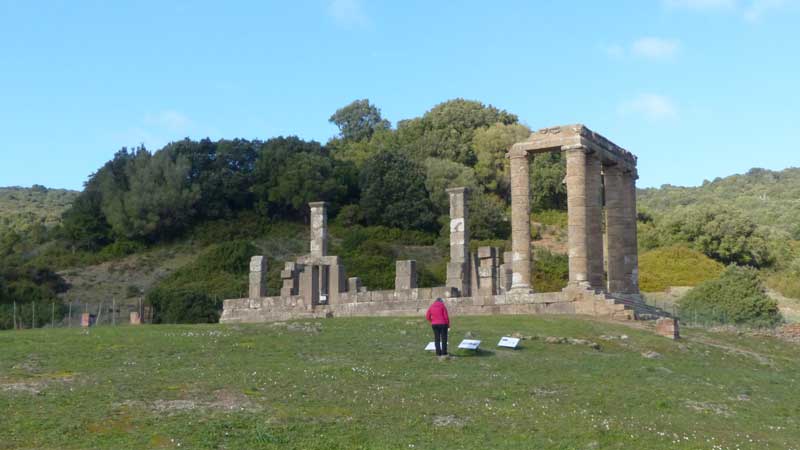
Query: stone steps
{"type": "Point", "coordinates": [641, 310]}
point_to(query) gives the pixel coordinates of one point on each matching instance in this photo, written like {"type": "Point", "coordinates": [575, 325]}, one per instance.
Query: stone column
{"type": "Point", "coordinates": [520, 221]}
{"type": "Point", "coordinates": [584, 218]}
{"type": "Point", "coordinates": [319, 228]}
{"type": "Point", "coordinates": [631, 258]}
{"type": "Point", "coordinates": [354, 285]}
{"type": "Point", "coordinates": [506, 273]}
{"type": "Point", "coordinates": [405, 276]}
{"type": "Point", "coordinates": [258, 277]}
{"type": "Point", "coordinates": [459, 265]}
{"type": "Point", "coordinates": [309, 284]}
{"type": "Point", "coordinates": [616, 228]}
{"type": "Point", "coordinates": [487, 271]}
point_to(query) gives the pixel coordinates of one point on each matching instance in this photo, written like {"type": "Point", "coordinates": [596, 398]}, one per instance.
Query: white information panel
{"type": "Point", "coordinates": [509, 342]}
{"type": "Point", "coordinates": [431, 347]}
{"type": "Point", "coordinates": [469, 344]}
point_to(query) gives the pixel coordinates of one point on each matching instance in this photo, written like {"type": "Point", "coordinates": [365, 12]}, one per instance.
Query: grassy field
{"type": "Point", "coordinates": [366, 383]}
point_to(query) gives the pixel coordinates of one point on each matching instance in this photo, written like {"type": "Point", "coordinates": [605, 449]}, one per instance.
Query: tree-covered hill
{"type": "Point", "coordinates": [767, 198]}
{"type": "Point", "coordinates": [23, 208]}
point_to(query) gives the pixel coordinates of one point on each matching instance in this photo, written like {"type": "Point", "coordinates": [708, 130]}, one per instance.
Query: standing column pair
{"type": "Point", "coordinates": [585, 208]}
{"type": "Point", "coordinates": [623, 259]}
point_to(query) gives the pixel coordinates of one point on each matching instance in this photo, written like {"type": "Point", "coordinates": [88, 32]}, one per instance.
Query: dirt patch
{"type": "Point", "coordinates": [789, 332]}
{"type": "Point", "coordinates": [449, 421]}
{"type": "Point", "coordinates": [36, 384]}
{"type": "Point", "coordinates": [224, 400]}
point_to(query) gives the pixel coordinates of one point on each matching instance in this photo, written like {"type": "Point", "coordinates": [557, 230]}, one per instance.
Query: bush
{"type": "Point", "coordinates": [550, 270]}
{"type": "Point", "coordinates": [675, 266]}
{"type": "Point", "coordinates": [194, 294]}
{"type": "Point", "coordinates": [787, 281]}
{"type": "Point", "coordinates": [350, 215]}
{"type": "Point", "coordinates": [736, 297]}
{"type": "Point", "coordinates": [120, 249]}
{"type": "Point", "coordinates": [184, 306]}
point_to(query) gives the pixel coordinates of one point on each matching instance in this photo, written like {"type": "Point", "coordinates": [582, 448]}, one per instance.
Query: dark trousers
{"type": "Point", "coordinates": [440, 337]}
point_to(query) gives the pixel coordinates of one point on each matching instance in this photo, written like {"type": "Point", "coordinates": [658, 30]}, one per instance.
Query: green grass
{"type": "Point", "coordinates": [366, 383]}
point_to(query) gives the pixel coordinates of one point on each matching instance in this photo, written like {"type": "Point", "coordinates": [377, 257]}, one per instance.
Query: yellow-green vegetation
{"type": "Point", "coordinates": [366, 383]}
{"type": "Point", "coordinates": [23, 208]}
{"type": "Point", "coordinates": [676, 265]}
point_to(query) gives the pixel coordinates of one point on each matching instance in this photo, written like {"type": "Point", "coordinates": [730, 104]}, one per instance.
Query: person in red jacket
{"type": "Point", "coordinates": [440, 321]}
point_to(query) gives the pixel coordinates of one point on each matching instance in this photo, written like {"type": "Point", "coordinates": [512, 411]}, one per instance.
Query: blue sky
{"type": "Point", "coordinates": [696, 88]}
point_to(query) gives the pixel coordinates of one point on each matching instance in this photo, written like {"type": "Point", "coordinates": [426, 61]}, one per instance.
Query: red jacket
{"type": "Point", "coordinates": [437, 314]}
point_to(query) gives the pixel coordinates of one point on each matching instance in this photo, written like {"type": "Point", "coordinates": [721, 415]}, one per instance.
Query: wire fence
{"type": "Point", "coordinates": [705, 318]}
{"type": "Point", "coordinates": [20, 316]}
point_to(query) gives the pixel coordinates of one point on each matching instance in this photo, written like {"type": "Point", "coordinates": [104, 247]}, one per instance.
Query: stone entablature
{"type": "Point", "coordinates": [578, 135]}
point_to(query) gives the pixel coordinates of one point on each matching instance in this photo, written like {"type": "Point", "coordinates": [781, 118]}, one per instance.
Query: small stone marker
{"type": "Point", "coordinates": [509, 342]}
{"type": "Point", "coordinates": [668, 328]}
{"type": "Point", "coordinates": [469, 344]}
{"type": "Point", "coordinates": [135, 318]}
{"type": "Point", "coordinates": [431, 347]}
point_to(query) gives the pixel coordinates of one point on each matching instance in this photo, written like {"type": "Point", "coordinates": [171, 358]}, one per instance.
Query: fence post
{"type": "Point", "coordinates": [114, 311]}
{"type": "Point", "coordinates": [53, 315]}
{"type": "Point", "coordinates": [15, 315]}
{"type": "Point", "coordinates": [99, 313]}
{"type": "Point", "coordinates": [33, 318]}
{"type": "Point", "coordinates": [69, 319]}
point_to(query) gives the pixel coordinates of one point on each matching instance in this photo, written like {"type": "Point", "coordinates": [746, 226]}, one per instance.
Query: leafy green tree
{"type": "Point", "coordinates": [357, 152]}
{"type": "Point", "coordinates": [446, 131]}
{"type": "Point", "coordinates": [441, 174]}
{"type": "Point", "coordinates": [491, 145]}
{"type": "Point", "coordinates": [272, 161]}
{"type": "Point", "coordinates": [548, 190]}
{"type": "Point", "coordinates": [725, 236]}
{"type": "Point", "coordinates": [358, 120]}
{"type": "Point", "coordinates": [393, 192]}
{"type": "Point", "coordinates": [84, 225]}
{"type": "Point", "coordinates": [223, 172]}
{"type": "Point", "coordinates": [160, 200]}
{"type": "Point", "coordinates": [309, 177]}
{"type": "Point", "coordinates": [488, 217]}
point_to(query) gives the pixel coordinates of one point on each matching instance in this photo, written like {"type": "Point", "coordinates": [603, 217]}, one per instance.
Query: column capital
{"type": "Point", "coordinates": [457, 190]}
{"type": "Point", "coordinates": [515, 153]}
{"type": "Point", "coordinates": [317, 204]}
{"type": "Point", "coordinates": [576, 148]}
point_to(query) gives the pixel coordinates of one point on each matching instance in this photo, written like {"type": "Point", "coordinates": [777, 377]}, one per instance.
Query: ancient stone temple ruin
{"type": "Point", "coordinates": [603, 262]}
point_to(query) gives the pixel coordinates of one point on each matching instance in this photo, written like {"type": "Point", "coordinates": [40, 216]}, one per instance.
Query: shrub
{"type": "Point", "coordinates": [675, 266]}
{"type": "Point", "coordinates": [194, 294]}
{"type": "Point", "coordinates": [184, 306]}
{"type": "Point", "coordinates": [550, 270]}
{"type": "Point", "coordinates": [736, 297]}
{"type": "Point", "coordinates": [350, 215]}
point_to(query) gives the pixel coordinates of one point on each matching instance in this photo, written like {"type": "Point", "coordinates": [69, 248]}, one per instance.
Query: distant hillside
{"type": "Point", "coordinates": [22, 207]}
{"type": "Point", "coordinates": [768, 198]}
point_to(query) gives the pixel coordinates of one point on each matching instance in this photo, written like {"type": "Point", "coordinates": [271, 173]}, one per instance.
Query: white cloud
{"type": "Point", "coordinates": [652, 106]}
{"type": "Point", "coordinates": [649, 47]}
{"type": "Point", "coordinates": [170, 119]}
{"type": "Point", "coordinates": [348, 13]}
{"type": "Point", "coordinates": [655, 48]}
